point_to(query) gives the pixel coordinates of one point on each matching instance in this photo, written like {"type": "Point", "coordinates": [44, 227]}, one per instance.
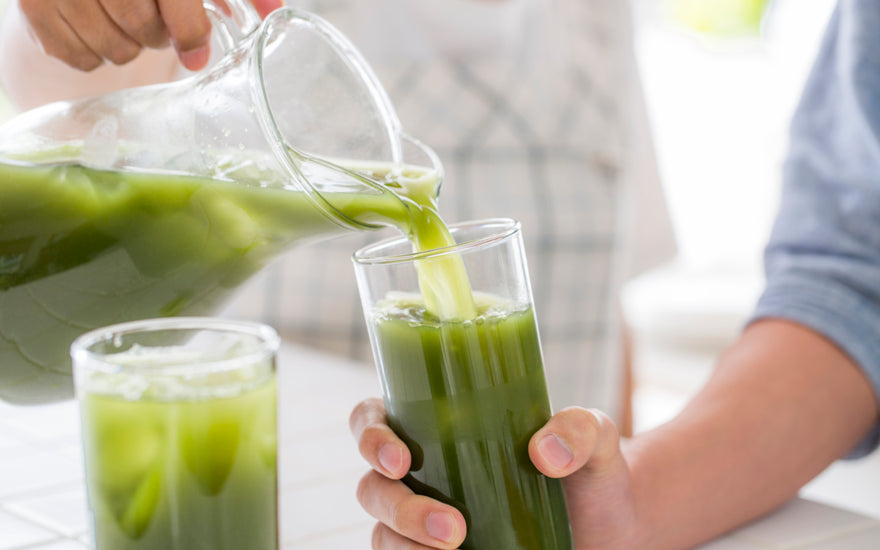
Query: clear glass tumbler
{"type": "Point", "coordinates": [179, 431]}
{"type": "Point", "coordinates": [466, 395]}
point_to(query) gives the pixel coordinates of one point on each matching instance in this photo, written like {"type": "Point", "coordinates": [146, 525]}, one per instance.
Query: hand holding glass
{"type": "Point", "coordinates": [467, 394]}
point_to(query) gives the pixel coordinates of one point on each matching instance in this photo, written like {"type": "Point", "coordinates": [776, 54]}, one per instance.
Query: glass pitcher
{"type": "Point", "coordinates": [161, 200]}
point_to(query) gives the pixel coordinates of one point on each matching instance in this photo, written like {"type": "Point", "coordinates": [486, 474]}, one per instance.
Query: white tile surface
{"type": "Point", "coordinates": [320, 392]}
{"type": "Point", "coordinates": [347, 539]}
{"type": "Point", "coordinates": [319, 510]}
{"type": "Point", "coordinates": [851, 484]}
{"type": "Point", "coordinates": [801, 522]}
{"type": "Point", "coordinates": [64, 512]}
{"type": "Point", "coordinates": [24, 469]}
{"type": "Point", "coordinates": [61, 545]}
{"type": "Point", "coordinates": [730, 544]}
{"type": "Point", "coordinates": [8, 441]}
{"type": "Point", "coordinates": [865, 539]}
{"type": "Point", "coordinates": [42, 424]}
{"type": "Point", "coordinates": [15, 532]}
{"type": "Point", "coordinates": [42, 498]}
{"type": "Point", "coordinates": [321, 459]}
{"type": "Point", "coordinates": [311, 513]}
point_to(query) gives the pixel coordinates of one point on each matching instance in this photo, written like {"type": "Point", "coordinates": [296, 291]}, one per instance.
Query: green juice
{"type": "Point", "coordinates": [167, 474]}
{"type": "Point", "coordinates": [82, 248]}
{"type": "Point", "coordinates": [466, 396]}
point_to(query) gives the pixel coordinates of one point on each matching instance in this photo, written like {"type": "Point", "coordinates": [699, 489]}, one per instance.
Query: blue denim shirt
{"type": "Point", "coordinates": [823, 259]}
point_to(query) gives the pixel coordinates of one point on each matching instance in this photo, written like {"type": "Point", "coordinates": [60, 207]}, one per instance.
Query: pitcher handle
{"type": "Point", "coordinates": [233, 20]}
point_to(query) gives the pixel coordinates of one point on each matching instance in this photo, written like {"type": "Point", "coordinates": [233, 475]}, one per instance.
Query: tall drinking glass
{"type": "Point", "coordinates": [466, 395]}
{"type": "Point", "coordinates": [179, 432]}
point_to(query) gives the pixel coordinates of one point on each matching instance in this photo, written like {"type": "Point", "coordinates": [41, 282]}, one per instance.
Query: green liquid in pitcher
{"type": "Point", "coordinates": [82, 248]}
{"type": "Point", "coordinates": [169, 473]}
{"type": "Point", "coordinates": [466, 396]}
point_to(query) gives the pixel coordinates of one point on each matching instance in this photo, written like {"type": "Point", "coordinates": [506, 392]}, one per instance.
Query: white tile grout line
{"type": "Point", "coordinates": [8, 505]}
{"type": "Point", "coordinates": [828, 536]}
{"type": "Point", "coordinates": [51, 530]}
{"type": "Point", "coordinates": [51, 541]}
{"type": "Point", "coordinates": [36, 520]}
{"type": "Point", "coordinates": [43, 491]}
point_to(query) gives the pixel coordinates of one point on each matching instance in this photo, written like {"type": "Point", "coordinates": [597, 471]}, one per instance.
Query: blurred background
{"type": "Point", "coordinates": [721, 80]}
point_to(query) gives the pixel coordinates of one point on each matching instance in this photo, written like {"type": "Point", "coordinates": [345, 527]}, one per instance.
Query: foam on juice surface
{"type": "Point", "coordinates": [179, 373]}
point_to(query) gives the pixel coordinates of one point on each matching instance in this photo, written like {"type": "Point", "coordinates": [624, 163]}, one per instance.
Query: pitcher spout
{"type": "Point", "coordinates": [161, 200]}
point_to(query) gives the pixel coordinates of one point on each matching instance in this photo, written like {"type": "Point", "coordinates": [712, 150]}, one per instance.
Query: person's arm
{"type": "Point", "coordinates": [66, 49]}
{"type": "Point", "coordinates": [800, 389]}
{"type": "Point", "coordinates": [783, 404]}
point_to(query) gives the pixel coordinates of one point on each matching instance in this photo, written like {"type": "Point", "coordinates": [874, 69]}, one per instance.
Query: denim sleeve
{"type": "Point", "coordinates": [823, 259]}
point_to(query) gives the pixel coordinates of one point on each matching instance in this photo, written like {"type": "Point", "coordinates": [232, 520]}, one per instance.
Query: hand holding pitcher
{"type": "Point", "coordinates": [86, 34]}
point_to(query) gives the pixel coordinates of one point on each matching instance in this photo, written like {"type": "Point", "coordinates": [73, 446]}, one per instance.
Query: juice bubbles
{"type": "Point", "coordinates": [467, 393]}
{"type": "Point", "coordinates": [179, 441]}
{"type": "Point", "coordinates": [466, 397]}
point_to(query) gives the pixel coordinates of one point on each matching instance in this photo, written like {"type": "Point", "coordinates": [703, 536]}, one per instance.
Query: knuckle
{"type": "Point", "coordinates": [88, 65]}
{"type": "Point", "coordinates": [365, 413]}
{"type": "Point", "coordinates": [378, 536]}
{"type": "Point", "coordinates": [603, 422]}
{"type": "Point", "coordinates": [371, 439]}
{"type": "Point", "coordinates": [594, 418]}
{"type": "Point", "coordinates": [607, 437]}
{"type": "Point", "coordinates": [193, 35]}
{"type": "Point", "coordinates": [364, 489]}
{"type": "Point", "coordinates": [142, 22]}
{"type": "Point", "coordinates": [578, 419]}
{"type": "Point", "coordinates": [137, 17]}
{"type": "Point", "coordinates": [370, 495]}
{"type": "Point", "coordinates": [84, 61]}
{"type": "Point", "coordinates": [408, 514]}
{"type": "Point", "coordinates": [583, 429]}
{"type": "Point", "coordinates": [120, 55]}
{"type": "Point", "coordinates": [396, 514]}
{"type": "Point", "coordinates": [359, 412]}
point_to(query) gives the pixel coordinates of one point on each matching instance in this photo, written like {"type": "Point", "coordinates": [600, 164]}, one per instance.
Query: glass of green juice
{"type": "Point", "coordinates": [179, 432]}
{"type": "Point", "coordinates": [467, 393]}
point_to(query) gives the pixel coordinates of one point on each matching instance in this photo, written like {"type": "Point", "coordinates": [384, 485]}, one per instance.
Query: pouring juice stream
{"type": "Point", "coordinates": [82, 248]}
{"type": "Point", "coordinates": [160, 200]}
{"type": "Point", "coordinates": [77, 244]}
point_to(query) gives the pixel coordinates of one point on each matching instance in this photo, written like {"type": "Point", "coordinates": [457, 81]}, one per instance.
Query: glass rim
{"type": "Point", "coordinates": [81, 353]}
{"type": "Point", "coordinates": [505, 228]}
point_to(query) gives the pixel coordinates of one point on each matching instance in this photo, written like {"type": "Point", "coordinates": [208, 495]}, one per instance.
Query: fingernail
{"type": "Point", "coordinates": [391, 457]}
{"type": "Point", "coordinates": [195, 59]}
{"type": "Point", "coordinates": [555, 451]}
{"type": "Point", "coordinates": [441, 526]}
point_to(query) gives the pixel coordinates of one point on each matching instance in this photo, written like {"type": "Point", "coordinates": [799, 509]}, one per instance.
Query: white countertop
{"type": "Point", "coordinates": [42, 498]}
